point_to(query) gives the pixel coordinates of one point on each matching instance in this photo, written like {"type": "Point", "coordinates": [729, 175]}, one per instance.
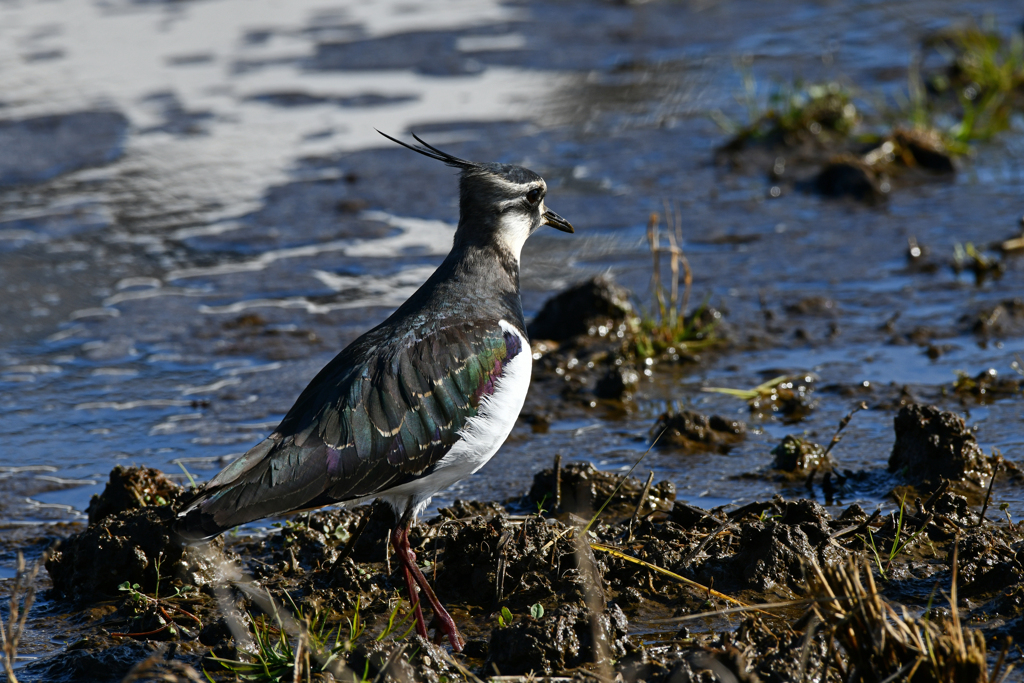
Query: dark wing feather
{"type": "Point", "coordinates": [380, 414]}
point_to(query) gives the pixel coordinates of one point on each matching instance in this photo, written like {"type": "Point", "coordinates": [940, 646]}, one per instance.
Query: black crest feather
{"type": "Point", "coordinates": [428, 150]}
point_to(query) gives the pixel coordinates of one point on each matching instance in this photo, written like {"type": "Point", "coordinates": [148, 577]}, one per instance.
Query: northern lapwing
{"type": "Point", "coordinates": [416, 404]}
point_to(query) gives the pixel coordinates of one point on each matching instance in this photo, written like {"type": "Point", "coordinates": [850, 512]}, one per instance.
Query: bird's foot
{"type": "Point", "coordinates": [444, 626]}
{"type": "Point", "coordinates": [413, 577]}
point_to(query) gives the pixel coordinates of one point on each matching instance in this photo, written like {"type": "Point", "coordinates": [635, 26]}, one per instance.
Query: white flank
{"type": "Point", "coordinates": [482, 435]}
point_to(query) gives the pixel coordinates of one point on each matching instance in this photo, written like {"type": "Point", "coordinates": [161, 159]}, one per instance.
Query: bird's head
{"type": "Point", "coordinates": [499, 204]}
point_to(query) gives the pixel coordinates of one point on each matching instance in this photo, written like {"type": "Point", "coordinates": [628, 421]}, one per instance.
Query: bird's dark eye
{"type": "Point", "coordinates": [533, 196]}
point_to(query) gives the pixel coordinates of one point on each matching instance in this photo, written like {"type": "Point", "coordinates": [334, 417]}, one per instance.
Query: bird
{"type": "Point", "coordinates": [414, 405]}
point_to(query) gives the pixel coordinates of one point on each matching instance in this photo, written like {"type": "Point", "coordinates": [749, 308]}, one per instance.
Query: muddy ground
{"type": "Point", "coordinates": [576, 608]}
{"type": "Point", "coordinates": [652, 589]}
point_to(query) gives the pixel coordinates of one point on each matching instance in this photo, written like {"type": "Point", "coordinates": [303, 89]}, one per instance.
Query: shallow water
{"type": "Point", "coordinates": [184, 261]}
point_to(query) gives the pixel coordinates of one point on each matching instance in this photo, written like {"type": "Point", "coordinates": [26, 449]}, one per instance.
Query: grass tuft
{"type": "Point", "coordinates": [669, 328]}
{"type": "Point", "coordinates": [885, 643]}
{"type": "Point", "coordinates": [296, 648]}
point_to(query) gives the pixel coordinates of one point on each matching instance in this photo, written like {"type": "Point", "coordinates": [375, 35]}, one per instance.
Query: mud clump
{"type": "Point", "coordinates": [579, 488]}
{"type": "Point", "coordinates": [582, 309]}
{"type": "Point", "coordinates": [130, 488]}
{"type": "Point", "coordinates": [487, 562]}
{"type": "Point", "coordinates": [798, 455]}
{"type": "Point", "coordinates": [774, 655]}
{"type": "Point", "coordinates": [123, 547]}
{"type": "Point", "coordinates": [848, 176]}
{"type": "Point", "coordinates": [775, 551]}
{"type": "Point", "coordinates": [932, 444]}
{"type": "Point", "coordinates": [986, 386]}
{"type": "Point", "coordinates": [1004, 319]}
{"type": "Point", "coordinates": [922, 149]}
{"type": "Point", "coordinates": [128, 535]}
{"type": "Point", "coordinates": [618, 383]}
{"type": "Point", "coordinates": [987, 563]}
{"type": "Point", "coordinates": [693, 431]}
{"type": "Point", "coordinates": [564, 639]}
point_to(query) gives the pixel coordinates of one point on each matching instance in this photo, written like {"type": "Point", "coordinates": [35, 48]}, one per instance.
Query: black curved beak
{"type": "Point", "coordinates": [555, 221]}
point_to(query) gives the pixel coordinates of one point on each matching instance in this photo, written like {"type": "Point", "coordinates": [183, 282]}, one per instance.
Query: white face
{"type": "Point", "coordinates": [521, 216]}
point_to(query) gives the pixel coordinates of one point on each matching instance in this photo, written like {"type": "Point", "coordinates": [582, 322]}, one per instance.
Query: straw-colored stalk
{"type": "Point", "coordinates": [885, 644]}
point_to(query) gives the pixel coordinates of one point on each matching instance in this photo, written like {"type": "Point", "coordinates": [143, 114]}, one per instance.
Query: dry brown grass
{"type": "Point", "coordinates": [883, 643]}
{"type": "Point", "coordinates": [23, 594]}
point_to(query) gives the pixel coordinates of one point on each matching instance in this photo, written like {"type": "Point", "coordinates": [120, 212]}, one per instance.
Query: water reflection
{"type": "Point", "coordinates": [171, 286]}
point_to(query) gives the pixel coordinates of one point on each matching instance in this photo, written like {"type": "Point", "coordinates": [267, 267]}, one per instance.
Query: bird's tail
{"type": "Point", "coordinates": [214, 507]}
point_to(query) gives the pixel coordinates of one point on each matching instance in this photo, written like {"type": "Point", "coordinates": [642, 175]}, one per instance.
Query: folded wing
{"type": "Point", "coordinates": [378, 416]}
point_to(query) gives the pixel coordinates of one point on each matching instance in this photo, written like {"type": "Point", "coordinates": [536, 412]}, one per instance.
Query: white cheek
{"type": "Point", "coordinates": [515, 229]}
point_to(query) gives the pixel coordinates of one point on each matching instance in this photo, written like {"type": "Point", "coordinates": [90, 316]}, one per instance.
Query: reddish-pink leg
{"type": "Point", "coordinates": [405, 554]}
{"type": "Point", "coordinates": [400, 541]}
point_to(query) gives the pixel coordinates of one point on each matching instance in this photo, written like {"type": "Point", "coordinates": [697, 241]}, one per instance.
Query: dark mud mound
{"type": "Point", "coordinates": [497, 561]}
{"type": "Point", "coordinates": [799, 455]}
{"type": "Point", "coordinates": [130, 488]}
{"type": "Point", "coordinates": [133, 546]}
{"type": "Point", "coordinates": [581, 309]}
{"type": "Point", "coordinates": [128, 539]}
{"type": "Point", "coordinates": [35, 150]}
{"type": "Point", "coordinates": [566, 638]}
{"type": "Point", "coordinates": [581, 489]}
{"type": "Point", "coordinates": [775, 551]}
{"type": "Point", "coordinates": [932, 445]}
{"type": "Point", "coordinates": [773, 655]}
{"type": "Point", "coordinates": [693, 431]}
{"type": "Point", "coordinates": [846, 175]}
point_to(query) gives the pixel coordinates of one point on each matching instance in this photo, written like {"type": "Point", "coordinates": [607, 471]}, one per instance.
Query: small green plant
{"type": "Point", "coordinates": [968, 257]}
{"type": "Point", "coordinates": [540, 505]}
{"type": "Point", "coordinates": [504, 617]}
{"type": "Point", "coordinates": [284, 653]}
{"type": "Point", "coordinates": [537, 611]}
{"type": "Point", "coordinates": [793, 110]}
{"type": "Point", "coordinates": [985, 76]}
{"type": "Point", "coordinates": [669, 327]}
{"type": "Point", "coordinates": [1005, 509]}
{"type": "Point", "coordinates": [784, 389]}
{"type": "Point", "coordinates": [191, 479]}
{"type": "Point", "coordinates": [897, 545]}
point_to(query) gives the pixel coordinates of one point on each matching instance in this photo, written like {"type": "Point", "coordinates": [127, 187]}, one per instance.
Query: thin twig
{"type": "Point", "coordinates": [640, 503]}
{"type": "Point", "coordinates": [558, 483]}
{"type": "Point", "coordinates": [621, 554]}
{"type": "Point", "coordinates": [621, 482]}
{"type": "Point", "coordinates": [988, 494]}
{"type": "Point", "coordinates": [690, 556]}
{"type": "Point", "coordinates": [842, 425]}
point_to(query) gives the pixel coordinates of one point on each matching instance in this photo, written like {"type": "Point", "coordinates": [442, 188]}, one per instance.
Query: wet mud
{"type": "Point", "coordinates": [644, 593]}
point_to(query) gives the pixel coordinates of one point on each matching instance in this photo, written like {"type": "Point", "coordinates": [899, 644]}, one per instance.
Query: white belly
{"type": "Point", "coordinates": [481, 437]}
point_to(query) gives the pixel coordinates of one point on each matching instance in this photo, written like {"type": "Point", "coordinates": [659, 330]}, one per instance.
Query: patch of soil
{"type": "Point", "coordinates": [799, 455]}
{"type": "Point", "coordinates": [575, 608]}
{"type": "Point", "coordinates": [561, 640]}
